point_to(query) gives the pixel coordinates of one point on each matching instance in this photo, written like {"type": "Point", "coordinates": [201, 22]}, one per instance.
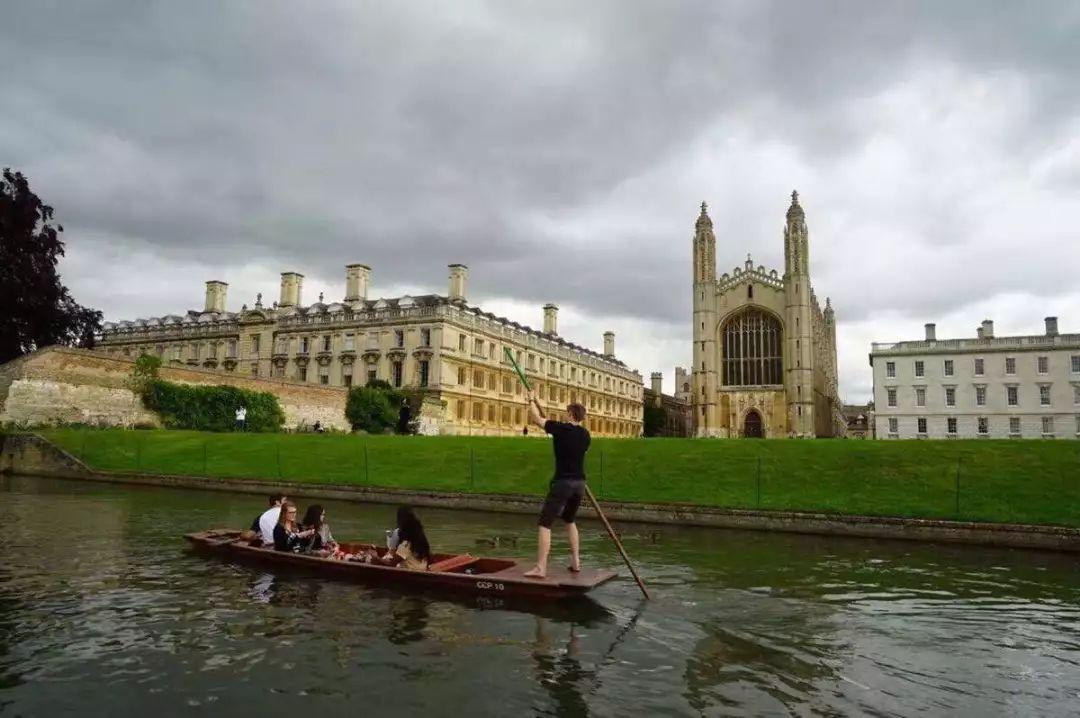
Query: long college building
{"type": "Point", "coordinates": [440, 344]}
{"type": "Point", "coordinates": [981, 387]}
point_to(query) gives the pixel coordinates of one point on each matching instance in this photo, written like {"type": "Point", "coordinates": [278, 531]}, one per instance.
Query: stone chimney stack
{"type": "Point", "coordinates": [357, 279]}
{"type": "Point", "coordinates": [459, 275]}
{"type": "Point", "coordinates": [551, 318]}
{"type": "Point", "coordinates": [987, 329]}
{"type": "Point", "coordinates": [609, 344]}
{"type": "Point", "coordinates": [215, 296]}
{"type": "Point", "coordinates": [931, 332]}
{"type": "Point", "coordinates": [979, 332]}
{"type": "Point", "coordinates": [1051, 327]}
{"type": "Point", "coordinates": [292, 284]}
{"type": "Point", "coordinates": [657, 380]}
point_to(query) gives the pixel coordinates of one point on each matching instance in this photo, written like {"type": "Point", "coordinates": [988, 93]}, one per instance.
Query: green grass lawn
{"type": "Point", "coordinates": [1005, 481]}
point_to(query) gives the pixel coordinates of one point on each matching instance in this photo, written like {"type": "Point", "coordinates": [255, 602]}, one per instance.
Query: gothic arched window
{"type": "Point", "coordinates": [752, 342]}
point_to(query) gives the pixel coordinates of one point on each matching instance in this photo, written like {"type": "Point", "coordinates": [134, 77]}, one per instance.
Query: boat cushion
{"type": "Point", "coordinates": [449, 564]}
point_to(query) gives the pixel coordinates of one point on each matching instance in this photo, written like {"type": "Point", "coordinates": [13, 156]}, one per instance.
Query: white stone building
{"type": "Point", "coordinates": [985, 387]}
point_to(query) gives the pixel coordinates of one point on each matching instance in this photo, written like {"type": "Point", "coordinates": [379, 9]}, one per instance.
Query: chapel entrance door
{"type": "Point", "coordinates": [752, 425]}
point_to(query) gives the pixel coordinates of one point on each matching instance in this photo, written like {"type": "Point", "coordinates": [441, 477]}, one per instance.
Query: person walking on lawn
{"type": "Point", "coordinates": [570, 441]}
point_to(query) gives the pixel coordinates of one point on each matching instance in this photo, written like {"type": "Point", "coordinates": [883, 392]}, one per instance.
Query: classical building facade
{"type": "Point", "coordinates": [982, 387]}
{"type": "Point", "coordinates": [441, 344]}
{"type": "Point", "coordinates": [677, 418]}
{"type": "Point", "coordinates": [764, 350]}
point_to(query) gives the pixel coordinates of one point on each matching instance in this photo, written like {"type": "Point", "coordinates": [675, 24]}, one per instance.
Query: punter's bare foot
{"type": "Point", "coordinates": [535, 572]}
{"type": "Point", "coordinates": [574, 567]}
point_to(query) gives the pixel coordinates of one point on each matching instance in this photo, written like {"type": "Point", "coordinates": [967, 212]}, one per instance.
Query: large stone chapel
{"type": "Point", "coordinates": [764, 350]}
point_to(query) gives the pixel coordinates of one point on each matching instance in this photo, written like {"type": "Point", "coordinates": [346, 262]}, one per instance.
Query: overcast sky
{"type": "Point", "coordinates": [561, 150]}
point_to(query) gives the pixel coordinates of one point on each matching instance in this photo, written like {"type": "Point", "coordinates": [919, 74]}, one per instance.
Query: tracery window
{"type": "Point", "coordinates": [752, 342]}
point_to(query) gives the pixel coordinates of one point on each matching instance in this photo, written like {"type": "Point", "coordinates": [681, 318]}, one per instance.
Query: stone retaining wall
{"type": "Point", "coordinates": [32, 455]}
{"type": "Point", "coordinates": [59, 385]}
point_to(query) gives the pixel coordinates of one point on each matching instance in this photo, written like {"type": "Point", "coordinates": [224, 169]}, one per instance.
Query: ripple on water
{"type": "Point", "coordinates": [746, 624]}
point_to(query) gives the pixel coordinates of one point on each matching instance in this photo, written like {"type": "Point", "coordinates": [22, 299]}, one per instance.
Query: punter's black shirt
{"type": "Point", "coordinates": [570, 442]}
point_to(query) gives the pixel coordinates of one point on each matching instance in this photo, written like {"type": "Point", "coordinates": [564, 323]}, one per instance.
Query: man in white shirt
{"type": "Point", "coordinates": [269, 519]}
{"type": "Point", "coordinates": [241, 418]}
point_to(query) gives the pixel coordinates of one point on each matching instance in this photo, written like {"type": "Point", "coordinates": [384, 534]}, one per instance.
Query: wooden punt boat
{"type": "Point", "coordinates": [502, 577]}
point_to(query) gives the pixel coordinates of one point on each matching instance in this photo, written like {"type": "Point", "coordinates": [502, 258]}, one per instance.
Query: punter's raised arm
{"type": "Point", "coordinates": [534, 409]}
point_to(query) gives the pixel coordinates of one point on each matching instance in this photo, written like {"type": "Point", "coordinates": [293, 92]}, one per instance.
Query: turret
{"type": "Point", "coordinates": [704, 248]}
{"type": "Point", "coordinates": [799, 348]}
{"type": "Point", "coordinates": [703, 370]}
{"type": "Point", "coordinates": [656, 382]}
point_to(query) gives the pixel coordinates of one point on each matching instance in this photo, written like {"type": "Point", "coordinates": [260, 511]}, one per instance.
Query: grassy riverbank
{"type": "Point", "coordinates": [1003, 481]}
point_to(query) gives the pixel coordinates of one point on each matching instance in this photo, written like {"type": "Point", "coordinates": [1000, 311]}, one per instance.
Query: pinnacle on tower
{"type": "Point", "coordinates": [795, 210]}
{"type": "Point", "coordinates": [703, 219]}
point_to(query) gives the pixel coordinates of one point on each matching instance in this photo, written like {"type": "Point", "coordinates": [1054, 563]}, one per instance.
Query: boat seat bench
{"type": "Point", "coordinates": [449, 564]}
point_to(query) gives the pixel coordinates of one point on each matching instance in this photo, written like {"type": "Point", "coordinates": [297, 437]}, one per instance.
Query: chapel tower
{"type": "Point", "coordinates": [703, 391]}
{"type": "Point", "coordinates": [799, 349]}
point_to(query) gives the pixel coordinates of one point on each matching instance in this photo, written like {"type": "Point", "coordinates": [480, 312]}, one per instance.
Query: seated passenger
{"type": "Point", "coordinates": [322, 541]}
{"type": "Point", "coordinates": [412, 550]}
{"type": "Point", "coordinates": [288, 535]}
{"type": "Point", "coordinates": [264, 524]}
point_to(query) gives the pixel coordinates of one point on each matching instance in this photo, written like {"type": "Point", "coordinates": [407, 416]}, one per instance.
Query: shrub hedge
{"type": "Point", "coordinates": [211, 408]}
{"type": "Point", "coordinates": [369, 409]}
{"type": "Point", "coordinates": [376, 406]}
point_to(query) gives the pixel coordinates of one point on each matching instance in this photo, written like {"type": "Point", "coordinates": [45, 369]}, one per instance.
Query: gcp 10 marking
{"type": "Point", "coordinates": [490, 585]}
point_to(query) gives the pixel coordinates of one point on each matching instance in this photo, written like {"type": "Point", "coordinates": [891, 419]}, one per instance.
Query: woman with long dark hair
{"type": "Point", "coordinates": [321, 540]}
{"type": "Point", "coordinates": [412, 550]}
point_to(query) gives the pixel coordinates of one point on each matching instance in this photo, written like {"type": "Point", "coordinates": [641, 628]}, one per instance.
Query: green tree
{"type": "Point", "coordinates": [36, 310]}
{"type": "Point", "coordinates": [413, 398]}
{"type": "Point", "coordinates": [145, 371]}
{"type": "Point", "coordinates": [654, 420]}
{"type": "Point", "coordinates": [369, 409]}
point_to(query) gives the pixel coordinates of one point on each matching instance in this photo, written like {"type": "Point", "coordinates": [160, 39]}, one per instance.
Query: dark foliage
{"type": "Point", "coordinates": [211, 408]}
{"type": "Point", "coordinates": [404, 404]}
{"type": "Point", "coordinates": [654, 419]}
{"type": "Point", "coordinates": [36, 310]}
{"type": "Point", "coordinates": [369, 409]}
{"type": "Point", "coordinates": [146, 370]}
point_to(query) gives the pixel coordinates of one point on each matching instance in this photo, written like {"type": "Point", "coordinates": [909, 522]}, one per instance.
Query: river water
{"type": "Point", "coordinates": [104, 611]}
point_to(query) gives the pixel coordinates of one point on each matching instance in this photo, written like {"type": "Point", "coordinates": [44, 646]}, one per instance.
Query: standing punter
{"type": "Point", "coordinates": [570, 441]}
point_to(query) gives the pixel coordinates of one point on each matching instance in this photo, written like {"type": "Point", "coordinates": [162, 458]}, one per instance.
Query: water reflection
{"type": "Point", "coordinates": [407, 621]}
{"type": "Point", "coordinates": [269, 588]}
{"type": "Point", "coordinates": [558, 670]}
{"type": "Point", "coordinates": [98, 594]}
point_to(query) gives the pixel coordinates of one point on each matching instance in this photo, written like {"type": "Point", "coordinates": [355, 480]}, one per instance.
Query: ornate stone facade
{"type": "Point", "coordinates": [764, 350]}
{"type": "Point", "coordinates": [440, 344]}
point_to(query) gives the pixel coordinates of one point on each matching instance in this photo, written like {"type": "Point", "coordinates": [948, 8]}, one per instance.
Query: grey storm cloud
{"type": "Point", "coordinates": [559, 149]}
